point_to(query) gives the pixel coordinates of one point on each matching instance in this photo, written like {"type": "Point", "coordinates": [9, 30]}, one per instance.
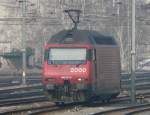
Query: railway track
{"type": "Point", "coordinates": [25, 100]}
{"type": "Point", "coordinates": [25, 94]}
{"type": "Point", "coordinates": [43, 110]}
{"type": "Point", "coordinates": [24, 109]}
{"type": "Point", "coordinates": [25, 91]}
{"type": "Point", "coordinates": [20, 87]}
{"type": "Point", "coordinates": [13, 80]}
{"type": "Point", "coordinates": [17, 80]}
{"type": "Point", "coordinates": [21, 94]}
{"type": "Point", "coordinates": [139, 111]}
{"type": "Point", "coordinates": [49, 107]}
{"type": "Point", "coordinates": [36, 108]}
{"type": "Point", "coordinates": [129, 110]}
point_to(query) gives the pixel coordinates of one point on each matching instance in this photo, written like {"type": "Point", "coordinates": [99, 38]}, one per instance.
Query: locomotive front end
{"type": "Point", "coordinates": [67, 71]}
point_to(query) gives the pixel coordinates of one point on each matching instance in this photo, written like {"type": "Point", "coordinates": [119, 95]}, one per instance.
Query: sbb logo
{"type": "Point", "coordinates": [78, 70]}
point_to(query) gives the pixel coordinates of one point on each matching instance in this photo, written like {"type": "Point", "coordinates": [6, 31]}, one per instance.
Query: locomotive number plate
{"type": "Point", "coordinates": [78, 69]}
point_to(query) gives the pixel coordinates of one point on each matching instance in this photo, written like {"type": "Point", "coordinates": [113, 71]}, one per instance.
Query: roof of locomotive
{"type": "Point", "coordinates": [81, 37]}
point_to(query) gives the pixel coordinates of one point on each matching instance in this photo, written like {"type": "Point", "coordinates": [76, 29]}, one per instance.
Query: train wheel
{"type": "Point", "coordinates": [81, 96]}
{"type": "Point", "coordinates": [106, 100]}
{"type": "Point", "coordinates": [58, 94]}
{"type": "Point", "coordinates": [74, 96]}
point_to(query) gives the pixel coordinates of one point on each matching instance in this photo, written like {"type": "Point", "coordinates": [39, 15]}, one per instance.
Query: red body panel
{"type": "Point", "coordinates": [56, 74]}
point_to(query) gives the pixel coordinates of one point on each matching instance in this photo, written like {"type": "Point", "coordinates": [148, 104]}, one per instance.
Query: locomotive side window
{"type": "Point", "coordinates": [91, 54]}
{"type": "Point", "coordinates": [67, 56]}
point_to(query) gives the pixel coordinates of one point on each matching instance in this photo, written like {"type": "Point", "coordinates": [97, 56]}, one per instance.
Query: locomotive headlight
{"type": "Point", "coordinates": [81, 79]}
{"type": "Point", "coordinates": [81, 85]}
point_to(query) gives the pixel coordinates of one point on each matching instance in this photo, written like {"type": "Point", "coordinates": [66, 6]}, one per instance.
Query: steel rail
{"type": "Point", "coordinates": [138, 87]}
{"type": "Point", "coordinates": [21, 94]}
{"type": "Point", "coordinates": [138, 111]}
{"type": "Point", "coordinates": [59, 106]}
{"type": "Point", "coordinates": [46, 109]}
{"type": "Point", "coordinates": [122, 109]}
{"type": "Point", "coordinates": [124, 82]}
{"type": "Point", "coordinates": [29, 107]}
{"type": "Point", "coordinates": [9, 102]}
{"type": "Point", "coordinates": [20, 87]}
{"type": "Point", "coordinates": [70, 105]}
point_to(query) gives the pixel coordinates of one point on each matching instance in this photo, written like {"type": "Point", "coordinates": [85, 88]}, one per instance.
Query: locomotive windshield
{"type": "Point", "coordinates": [67, 56]}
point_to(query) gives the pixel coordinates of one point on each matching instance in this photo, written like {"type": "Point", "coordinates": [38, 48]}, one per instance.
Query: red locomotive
{"type": "Point", "coordinates": [81, 65]}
